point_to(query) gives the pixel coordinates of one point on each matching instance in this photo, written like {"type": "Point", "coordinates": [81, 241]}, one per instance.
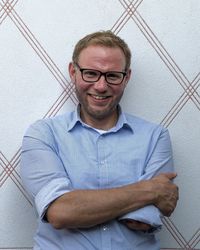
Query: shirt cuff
{"type": "Point", "coordinates": [49, 193]}
{"type": "Point", "coordinates": [149, 215]}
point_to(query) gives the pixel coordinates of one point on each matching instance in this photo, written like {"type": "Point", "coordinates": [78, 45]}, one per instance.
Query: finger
{"type": "Point", "coordinates": [138, 226]}
{"type": "Point", "coordinates": [169, 175]}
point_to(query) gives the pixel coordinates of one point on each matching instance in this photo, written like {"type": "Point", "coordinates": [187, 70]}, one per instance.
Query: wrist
{"type": "Point", "coordinates": [150, 195]}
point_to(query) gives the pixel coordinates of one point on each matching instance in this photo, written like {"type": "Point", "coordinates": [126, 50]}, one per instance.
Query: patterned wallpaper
{"type": "Point", "coordinates": [36, 42]}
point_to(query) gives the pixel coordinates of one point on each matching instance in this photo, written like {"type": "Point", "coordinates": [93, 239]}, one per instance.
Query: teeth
{"type": "Point", "coordinates": [99, 97]}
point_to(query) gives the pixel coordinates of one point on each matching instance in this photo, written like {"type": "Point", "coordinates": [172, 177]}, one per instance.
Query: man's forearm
{"type": "Point", "coordinates": [87, 208]}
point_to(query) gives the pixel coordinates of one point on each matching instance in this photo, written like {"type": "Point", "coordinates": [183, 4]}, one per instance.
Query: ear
{"type": "Point", "coordinates": [128, 76]}
{"type": "Point", "coordinates": [72, 71]}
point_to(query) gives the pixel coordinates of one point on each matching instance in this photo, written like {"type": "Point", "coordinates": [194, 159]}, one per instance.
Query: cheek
{"type": "Point", "coordinates": [81, 86]}
{"type": "Point", "coordinates": [118, 91]}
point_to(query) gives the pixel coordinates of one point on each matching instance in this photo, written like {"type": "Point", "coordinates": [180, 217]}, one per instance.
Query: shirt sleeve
{"type": "Point", "coordinates": [159, 160]}
{"type": "Point", "coordinates": [42, 171]}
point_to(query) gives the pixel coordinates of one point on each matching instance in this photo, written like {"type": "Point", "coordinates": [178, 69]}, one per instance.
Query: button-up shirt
{"type": "Point", "coordinates": [62, 154]}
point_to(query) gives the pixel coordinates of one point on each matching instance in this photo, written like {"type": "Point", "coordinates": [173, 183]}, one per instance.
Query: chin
{"type": "Point", "coordinates": [100, 114]}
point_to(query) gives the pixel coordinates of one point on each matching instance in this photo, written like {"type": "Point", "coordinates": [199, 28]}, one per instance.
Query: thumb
{"type": "Point", "coordinates": [170, 175]}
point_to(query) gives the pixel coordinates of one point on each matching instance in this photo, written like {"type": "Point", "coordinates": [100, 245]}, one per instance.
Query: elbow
{"type": "Point", "coordinates": [55, 222]}
{"type": "Point", "coordinates": [54, 218]}
{"type": "Point", "coordinates": [62, 214]}
{"type": "Point", "coordinates": [59, 217]}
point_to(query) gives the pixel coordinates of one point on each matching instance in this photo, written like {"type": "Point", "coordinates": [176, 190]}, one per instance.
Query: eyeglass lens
{"type": "Point", "coordinates": [94, 75]}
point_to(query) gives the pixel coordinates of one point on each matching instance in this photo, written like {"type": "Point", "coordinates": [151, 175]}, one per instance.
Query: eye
{"type": "Point", "coordinates": [114, 75]}
{"type": "Point", "coordinates": [91, 74]}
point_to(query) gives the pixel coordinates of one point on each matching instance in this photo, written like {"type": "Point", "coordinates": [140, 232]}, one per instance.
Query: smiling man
{"type": "Point", "coordinates": [99, 178]}
{"type": "Point", "coordinates": [100, 77]}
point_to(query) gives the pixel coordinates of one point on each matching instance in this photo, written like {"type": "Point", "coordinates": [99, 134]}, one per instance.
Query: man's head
{"type": "Point", "coordinates": [100, 71]}
{"type": "Point", "coordinates": [103, 38]}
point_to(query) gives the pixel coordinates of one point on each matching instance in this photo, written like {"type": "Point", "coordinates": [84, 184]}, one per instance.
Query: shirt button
{"type": "Point", "coordinates": [105, 228]}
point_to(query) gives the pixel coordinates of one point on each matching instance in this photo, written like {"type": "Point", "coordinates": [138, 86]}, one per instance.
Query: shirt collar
{"type": "Point", "coordinates": [75, 118]}
{"type": "Point", "coordinates": [121, 123]}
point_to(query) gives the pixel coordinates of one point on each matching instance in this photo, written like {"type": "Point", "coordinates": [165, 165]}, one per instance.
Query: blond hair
{"type": "Point", "coordinates": [102, 38]}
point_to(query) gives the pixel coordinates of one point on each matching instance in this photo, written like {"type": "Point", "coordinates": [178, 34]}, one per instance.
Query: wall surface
{"type": "Point", "coordinates": [36, 42]}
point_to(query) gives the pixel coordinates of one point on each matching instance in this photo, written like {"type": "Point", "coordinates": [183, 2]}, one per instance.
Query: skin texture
{"type": "Point", "coordinates": [99, 113]}
{"type": "Point", "coordinates": [87, 208]}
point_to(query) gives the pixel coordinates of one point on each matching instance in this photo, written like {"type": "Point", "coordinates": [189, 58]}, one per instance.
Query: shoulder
{"type": "Point", "coordinates": [139, 124]}
{"type": "Point", "coordinates": [47, 126]}
{"type": "Point", "coordinates": [139, 121]}
{"type": "Point", "coordinates": [147, 131]}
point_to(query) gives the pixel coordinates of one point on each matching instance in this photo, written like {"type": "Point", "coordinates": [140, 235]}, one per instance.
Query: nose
{"type": "Point", "coordinates": [101, 85]}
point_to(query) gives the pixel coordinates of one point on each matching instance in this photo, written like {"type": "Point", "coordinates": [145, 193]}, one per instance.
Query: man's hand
{"type": "Point", "coordinates": [136, 225]}
{"type": "Point", "coordinates": [166, 192]}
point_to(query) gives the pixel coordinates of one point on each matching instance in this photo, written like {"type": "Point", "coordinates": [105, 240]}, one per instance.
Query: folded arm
{"type": "Point", "coordinates": [47, 182]}
{"type": "Point", "coordinates": [87, 208]}
{"type": "Point", "coordinates": [159, 160]}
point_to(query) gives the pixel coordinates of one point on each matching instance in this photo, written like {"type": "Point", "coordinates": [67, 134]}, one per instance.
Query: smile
{"type": "Point", "coordinates": [97, 97]}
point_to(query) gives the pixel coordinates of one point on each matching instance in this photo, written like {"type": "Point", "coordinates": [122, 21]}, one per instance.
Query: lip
{"type": "Point", "coordinates": [99, 98]}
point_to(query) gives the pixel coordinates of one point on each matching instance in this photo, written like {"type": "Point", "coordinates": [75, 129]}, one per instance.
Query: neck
{"type": "Point", "coordinates": [104, 123]}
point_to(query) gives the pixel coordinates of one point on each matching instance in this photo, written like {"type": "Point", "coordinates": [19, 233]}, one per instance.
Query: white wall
{"type": "Point", "coordinates": [36, 42]}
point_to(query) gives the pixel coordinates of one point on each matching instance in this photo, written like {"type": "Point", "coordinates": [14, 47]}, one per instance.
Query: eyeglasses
{"type": "Point", "coordinates": [92, 75]}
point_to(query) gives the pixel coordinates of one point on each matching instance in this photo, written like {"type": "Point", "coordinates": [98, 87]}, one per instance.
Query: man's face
{"type": "Point", "coordinates": [99, 100]}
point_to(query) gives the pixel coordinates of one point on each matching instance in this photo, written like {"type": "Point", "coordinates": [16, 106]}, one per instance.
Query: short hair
{"type": "Point", "coordinates": [102, 38]}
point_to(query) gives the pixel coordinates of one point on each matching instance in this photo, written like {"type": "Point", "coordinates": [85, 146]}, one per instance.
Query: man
{"type": "Point", "coordinates": [99, 178]}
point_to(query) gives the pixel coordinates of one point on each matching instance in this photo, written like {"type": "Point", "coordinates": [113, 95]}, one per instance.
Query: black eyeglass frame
{"type": "Point", "coordinates": [100, 74]}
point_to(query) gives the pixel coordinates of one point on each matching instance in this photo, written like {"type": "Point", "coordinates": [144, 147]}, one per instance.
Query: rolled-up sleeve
{"type": "Point", "coordinates": [42, 171]}
{"type": "Point", "coordinates": [160, 160]}
{"type": "Point", "coordinates": [54, 189]}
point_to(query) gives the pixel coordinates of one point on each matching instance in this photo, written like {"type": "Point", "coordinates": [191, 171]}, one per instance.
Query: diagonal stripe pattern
{"type": "Point", "coordinates": [130, 13]}
{"type": "Point", "coordinates": [189, 92]}
{"type": "Point", "coordinates": [190, 88]}
{"type": "Point", "coordinates": [6, 7]}
{"type": "Point", "coordinates": [7, 10]}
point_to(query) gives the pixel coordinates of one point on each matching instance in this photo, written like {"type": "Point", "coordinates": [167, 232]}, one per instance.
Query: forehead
{"type": "Point", "coordinates": [95, 54]}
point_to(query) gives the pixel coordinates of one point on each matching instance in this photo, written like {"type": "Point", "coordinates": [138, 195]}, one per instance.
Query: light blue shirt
{"type": "Point", "coordinates": [61, 154]}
